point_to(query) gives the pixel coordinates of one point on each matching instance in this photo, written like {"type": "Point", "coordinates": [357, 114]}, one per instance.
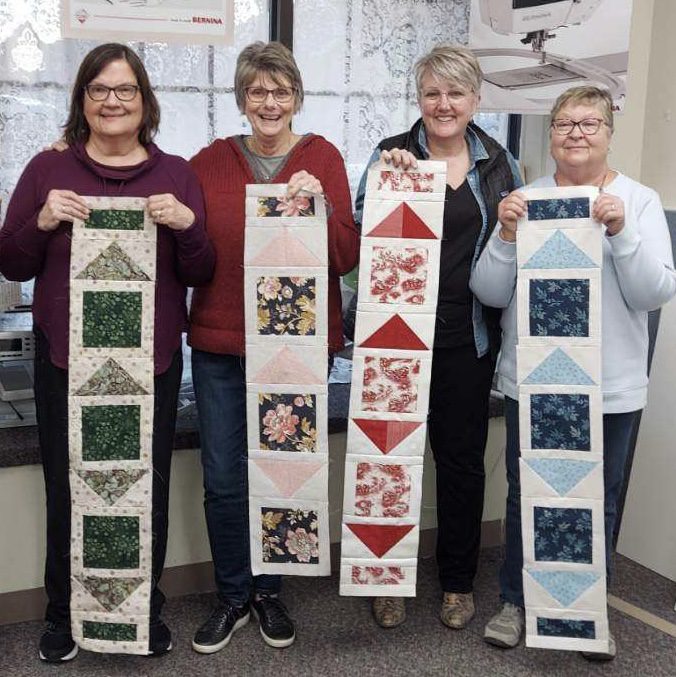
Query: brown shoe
{"type": "Point", "coordinates": [457, 609]}
{"type": "Point", "coordinates": [389, 612]}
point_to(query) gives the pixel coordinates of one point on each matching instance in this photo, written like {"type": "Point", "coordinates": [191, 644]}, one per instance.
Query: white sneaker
{"type": "Point", "coordinates": [506, 627]}
{"type": "Point", "coordinates": [612, 651]}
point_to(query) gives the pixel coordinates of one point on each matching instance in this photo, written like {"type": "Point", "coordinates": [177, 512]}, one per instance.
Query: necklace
{"type": "Point", "coordinates": [264, 165]}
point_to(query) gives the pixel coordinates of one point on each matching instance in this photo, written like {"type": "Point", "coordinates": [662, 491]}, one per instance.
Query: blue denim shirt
{"type": "Point", "coordinates": [477, 152]}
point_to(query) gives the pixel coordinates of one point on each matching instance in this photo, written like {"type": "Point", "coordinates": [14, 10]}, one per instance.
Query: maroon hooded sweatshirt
{"type": "Point", "coordinates": [184, 258]}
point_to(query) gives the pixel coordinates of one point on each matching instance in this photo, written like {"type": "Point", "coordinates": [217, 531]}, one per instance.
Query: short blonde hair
{"type": "Point", "coordinates": [452, 63]}
{"type": "Point", "coordinates": [274, 60]}
{"type": "Point", "coordinates": [588, 95]}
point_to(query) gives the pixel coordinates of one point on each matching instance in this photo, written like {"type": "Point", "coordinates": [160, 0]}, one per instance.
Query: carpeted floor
{"type": "Point", "coordinates": [337, 636]}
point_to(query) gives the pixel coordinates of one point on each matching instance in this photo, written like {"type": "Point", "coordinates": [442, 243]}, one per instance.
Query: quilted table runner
{"type": "Point", "coordinates": [110, 408]}
{"type": "Point", "coordinates": [559, 257]}
{"type": "Point", "coordinates": [389, 398]}
{"type": "Point", "coordinates": [286, 324]}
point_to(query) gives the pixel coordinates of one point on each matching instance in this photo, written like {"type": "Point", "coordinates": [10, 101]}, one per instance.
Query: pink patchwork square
{"type": "Point", "coordinates": [377, 575]}
{"type": "Point", "coordinates": [399, 274]}
{"type": "Point", "coordinates": [382, 490]}
{"type": "Point", "coordinates": [390, 384]}
{"type": "Point", "coordinates": [407, 182]}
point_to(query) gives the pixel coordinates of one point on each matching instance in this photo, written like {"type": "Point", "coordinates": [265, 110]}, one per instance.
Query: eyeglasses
{"type": "Point", "coordinates": [101, 92]}
{"type": "Point", "coordinates": [434, 96]}
{"type": "Point", "coordinates": [588, 126]}
{"type": "Point", "coordinates": [260, 94]}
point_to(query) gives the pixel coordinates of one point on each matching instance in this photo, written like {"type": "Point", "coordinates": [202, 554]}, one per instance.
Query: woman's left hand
{"type": "Point", "coordinates": [303, 181]}
{"type": "Point", "coordinates": [609, 210]}
{"type": "Point", "coordinates": [165, 209]}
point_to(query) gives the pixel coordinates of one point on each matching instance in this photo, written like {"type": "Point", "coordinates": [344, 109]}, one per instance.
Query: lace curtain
{"type": "Point", "coordinates": [356, 57]}
{"type": "Point", "coordinates": [193, 83]}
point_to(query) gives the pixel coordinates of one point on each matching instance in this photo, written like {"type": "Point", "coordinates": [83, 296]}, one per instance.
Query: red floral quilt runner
{"type": "Point", "coordinates": [398, 288]}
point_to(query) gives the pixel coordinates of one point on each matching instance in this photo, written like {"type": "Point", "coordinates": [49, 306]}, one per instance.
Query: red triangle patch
{"type": "Point", "coordinates": [403, 222]}
{"type": "Point", "coordinates": [395, 333]}
{"type": "Point", "coordinates": [386, 435]}
{"type": "Point", "coordinates": [379, 538]}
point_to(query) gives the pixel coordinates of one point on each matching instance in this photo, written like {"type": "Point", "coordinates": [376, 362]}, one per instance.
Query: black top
{"type": "Point", "coordinates": [462, 226]}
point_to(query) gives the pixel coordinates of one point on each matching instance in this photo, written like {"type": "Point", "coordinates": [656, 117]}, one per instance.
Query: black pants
{"type": "Point", "coordinates": [458, 427]}
{"type": "Point", "coordinates": [51, 401]}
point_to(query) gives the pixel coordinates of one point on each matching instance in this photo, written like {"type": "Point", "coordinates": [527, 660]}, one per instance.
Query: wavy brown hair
{"type": "Point", "coordinates": [76, 128]}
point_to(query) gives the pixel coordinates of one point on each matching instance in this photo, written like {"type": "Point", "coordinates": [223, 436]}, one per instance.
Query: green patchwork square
{"type": "Point", "coordinates": [110, 542]}
{"type": "Point", "coordinates": [111, 632]}
{"type": "Point", "coordinates": [111, 432]}
{"type": "Point", "coordinates": [111, 319]}
{"type": "Point", "coordinates": [115, 219]}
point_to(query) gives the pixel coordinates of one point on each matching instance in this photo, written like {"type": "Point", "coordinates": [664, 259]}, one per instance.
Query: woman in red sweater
{"type": "Point", "coordinates": [269, 91]}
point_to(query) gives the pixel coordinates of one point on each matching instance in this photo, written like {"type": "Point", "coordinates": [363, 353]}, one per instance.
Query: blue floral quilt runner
{"type": "Point", "coordinates": [559, 258]}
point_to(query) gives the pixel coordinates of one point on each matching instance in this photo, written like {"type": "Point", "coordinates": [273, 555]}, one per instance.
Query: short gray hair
{"type": "Point", "coordinates": [589, 95]}
{"type": "Point", "coordinates": [452, 63]}
{"type": "Point", "coordinates": [274, 60]}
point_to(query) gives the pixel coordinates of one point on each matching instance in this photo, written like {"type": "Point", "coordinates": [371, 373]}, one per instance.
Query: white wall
{"type": "Point", "coordinates": [648, 534]}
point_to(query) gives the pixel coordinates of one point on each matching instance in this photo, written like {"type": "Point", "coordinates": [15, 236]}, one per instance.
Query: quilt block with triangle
{"type": "Point", "coordinates": [110, 410]}
{"type": "Point", "coordinates": [286, 332]}
{"type": "Point", "coordinates": [559, 261]}
{"type": "Point", "coordinates": [392, 362]}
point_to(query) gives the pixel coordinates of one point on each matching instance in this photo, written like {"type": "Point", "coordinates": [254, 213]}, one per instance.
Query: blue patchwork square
{"type": "Point", "coordinates": [558, 208]}
{"type": "Point", "coordinates": [560, 421]}
{"type": "Point", "coordinates": [563, 534]}
{"type": "Point", "coordinates": [563, 627]}
{"type": "Point", "coordinates": [559, 307]}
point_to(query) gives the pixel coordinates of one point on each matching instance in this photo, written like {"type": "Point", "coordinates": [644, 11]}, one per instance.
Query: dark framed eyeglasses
{"type": "Point", "coordinates": [101, 92]}
{"type": "Point", "coordinates": [588, 126]}
{"type": "Point", "coordinates": [279, 94]}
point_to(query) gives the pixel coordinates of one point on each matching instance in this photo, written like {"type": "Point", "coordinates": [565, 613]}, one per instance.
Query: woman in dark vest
{"type": "Point", "coordinates": [467, 335]}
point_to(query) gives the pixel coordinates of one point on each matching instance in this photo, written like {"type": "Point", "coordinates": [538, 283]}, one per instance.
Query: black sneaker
{"type": "Point", "coordinates": [220, 627]}
{"type": "Point", "coordinates": [56, 643]}
{"type": "Point", "coordinates": [276, 626]}
{"type": "Point", "coordinates": [160, 638]}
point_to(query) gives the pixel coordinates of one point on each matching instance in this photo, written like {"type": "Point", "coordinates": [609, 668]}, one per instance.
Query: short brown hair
{"type": "Point", "coordinates": [76, 128]}
{"type": "Point", "coordinates": [273, 59]}
{"type": "Point", "coordinates": [453, 63]}
{"type": "Point", "coordinates": [589, 95]}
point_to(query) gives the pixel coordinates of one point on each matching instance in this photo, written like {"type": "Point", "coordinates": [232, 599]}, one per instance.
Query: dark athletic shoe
{"type": "Point", "coordinates": [276, 626]}
{"type": "Point", "coordinates": [56, 643]}
{"type": "Point", "coordinates": [160, 638]}
{"type": "Point", "coordinates": [216, 632]}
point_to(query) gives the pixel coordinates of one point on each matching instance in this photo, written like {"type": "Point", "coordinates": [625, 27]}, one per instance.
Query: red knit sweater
{"type": "Point", "coordinates": [217, 312]}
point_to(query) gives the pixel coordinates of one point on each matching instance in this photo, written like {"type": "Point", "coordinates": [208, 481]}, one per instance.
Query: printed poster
{"type": "Point", "coordinates": [189, 21]}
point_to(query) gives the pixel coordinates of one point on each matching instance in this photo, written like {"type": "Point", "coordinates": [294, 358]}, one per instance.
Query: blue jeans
{"type": "Point", "coordinates": [617, 433]}
{"type": "Point", "coordinates": [220, 392]}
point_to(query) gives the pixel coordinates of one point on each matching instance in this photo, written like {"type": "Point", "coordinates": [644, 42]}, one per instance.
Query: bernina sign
{"type": "Point", "coordinates": [188, 21]}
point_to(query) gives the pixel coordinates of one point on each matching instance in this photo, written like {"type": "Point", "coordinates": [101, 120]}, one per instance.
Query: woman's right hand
{"type": "Point", "coordinates": [510, 210]}
{"type": "Point", "coordinates": [61, 205]}
{"type": "Point", "coordinates": [401, 159]}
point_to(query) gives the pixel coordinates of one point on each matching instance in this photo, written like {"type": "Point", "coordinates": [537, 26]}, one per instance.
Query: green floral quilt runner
{"type": "Point", "coordinates": [110, 403]}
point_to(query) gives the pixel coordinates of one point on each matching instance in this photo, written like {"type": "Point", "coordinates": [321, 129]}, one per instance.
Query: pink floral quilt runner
{"type": "Point", "coordinates": [286, 299]}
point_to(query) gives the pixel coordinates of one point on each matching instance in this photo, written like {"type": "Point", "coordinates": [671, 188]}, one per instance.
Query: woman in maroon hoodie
{"type": "Point", "coordinates": [113, 118]}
